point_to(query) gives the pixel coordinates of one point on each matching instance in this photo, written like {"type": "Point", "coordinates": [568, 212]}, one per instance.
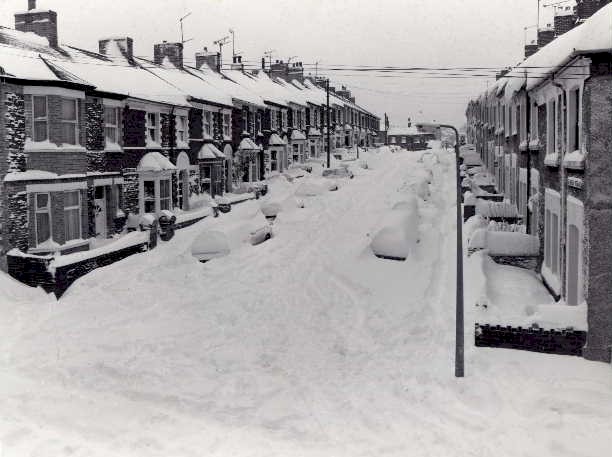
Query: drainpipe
{"type": "Point", "coordinates": [528, 137]}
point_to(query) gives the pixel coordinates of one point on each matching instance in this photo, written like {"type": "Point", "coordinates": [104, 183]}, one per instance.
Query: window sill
{"type": "Point", "coordinates": [534, 145]}
{"type": "Point", "coordinates": [524, 146]}
{"type": "Point", "coordinates": [574, 160]}
{"type": "Point", "coordinates": [552, 160]}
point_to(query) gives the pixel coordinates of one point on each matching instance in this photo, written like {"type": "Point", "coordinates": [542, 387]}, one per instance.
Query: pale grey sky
{"type": "Point", "coordinates": [406, 33]}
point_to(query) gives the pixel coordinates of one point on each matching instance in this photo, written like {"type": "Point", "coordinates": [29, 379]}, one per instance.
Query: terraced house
{"type": "Point", "coordinates": [92, 140]}
{"type": "Point", "coordinates": [546, 136]}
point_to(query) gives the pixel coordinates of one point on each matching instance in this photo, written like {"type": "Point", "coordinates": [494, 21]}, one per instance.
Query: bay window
{"type": "Point", "coordinates": [149, 196]}
{"type": "Point", "coordinates": [72, 215]}
{"type": "Point", "coordinates": [69, 121]}
{"type": "Point", "coordinates": [42, 208]}
{"type": "Point", "coordinates": [41, 120]}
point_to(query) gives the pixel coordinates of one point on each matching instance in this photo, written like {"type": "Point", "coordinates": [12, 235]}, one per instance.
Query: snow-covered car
{"type": "Point", "coordinates": [252, 228]}
{"type": "Point", "coordinates": [293, 173]}
{"type": "Point", "coordinates": [260, 234]}
{"type": "Point", "coordinates": [210, 245]}
{"type": "Point", "coordinates": [271, 208]}
{"type": "Point", "coordinates": [340, 172]}
{"type": "Point", "coordinates": [398, 234]}
{"type": "Point", "coordinates": [223, 204]}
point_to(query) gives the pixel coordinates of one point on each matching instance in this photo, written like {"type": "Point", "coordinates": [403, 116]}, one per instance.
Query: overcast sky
{"type": "Point", "coordinates": [404, 33]}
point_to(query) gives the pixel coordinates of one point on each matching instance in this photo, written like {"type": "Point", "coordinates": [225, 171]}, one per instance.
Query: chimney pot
{"type": "Point", "coordinates": [31, 5]}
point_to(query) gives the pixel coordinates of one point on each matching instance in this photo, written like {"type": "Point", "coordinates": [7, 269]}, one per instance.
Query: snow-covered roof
{"type": "Point", "coordinates": [210, 151]}
{"type": "Point", "coordinates": [248, 145]}
{"type": "Point", "coordinates": [191, 82]}
{"type": "Point", "coordinates": [276, 140]}
{"type": "Point", "coordinates": [594, 35]}
{"type": "Point", "coordinates": [297, 135]}
{"type": "Point", "coordinates": [155, 161]}
{"type": "Point", "coordinates": [259, 85]}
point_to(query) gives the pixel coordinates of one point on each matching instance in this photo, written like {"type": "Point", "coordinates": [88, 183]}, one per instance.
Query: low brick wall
{"type": "Point", "coordinates": [34, 271]}
{"type": "Point", "coordinates": [562, 342]}
{"type": "Point", "coordinates": [525, 261]}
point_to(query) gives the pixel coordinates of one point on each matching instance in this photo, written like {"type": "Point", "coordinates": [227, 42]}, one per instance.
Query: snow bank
{"type": "Point", "coordinates": [505, 243]}
{"type": "Point", "coordinates": [399, 232]}
{"type": "Point", "coordinates": [487, 208]}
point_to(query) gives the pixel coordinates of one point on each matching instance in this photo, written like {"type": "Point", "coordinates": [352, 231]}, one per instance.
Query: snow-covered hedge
{"type": "Point", "coordinates": [505, 243]}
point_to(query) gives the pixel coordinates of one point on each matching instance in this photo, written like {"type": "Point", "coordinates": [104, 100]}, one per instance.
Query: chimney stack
{"type": "Point", "coordinates": [295, 72]}
{"type": "Point", "coordinates": [212, 59]}
{"type": "Point", "coordinates": [586, 8]}
{"type": "Point", "coordinates": [545, 36]}
{"type": "Point", "coordinates": [237, 63]}
{"type": "Point", "coordinates": [565, 20]}
{"type": "Point", "coordinates": [172, 51]}
{"type": "Point", "coordinates": [117, 47]}
{"type": "Point", "coordinates": [40, 22]}
{"type": "Point", "coordinates": [279, 69]}
{"type": "Point", "coordinates": [530, 49]}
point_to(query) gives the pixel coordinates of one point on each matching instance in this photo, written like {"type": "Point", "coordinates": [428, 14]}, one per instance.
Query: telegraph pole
{"type": "Point", "coordinates": [328, 126]}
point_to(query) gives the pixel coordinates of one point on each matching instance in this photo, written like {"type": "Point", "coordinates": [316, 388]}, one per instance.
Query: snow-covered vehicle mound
{"type": "Point", "coordinates": [339, 172]}
{"type": "Point", "coordinates": [272, 207]}
{"type": "Point", "coordinates": [399, 233]}
{"type": "Point", "coordinates": [209, 245]}
{"type": "Point", "coordinates": [251, 227]}
{"type": "Point", "coordinates": [314, 187]}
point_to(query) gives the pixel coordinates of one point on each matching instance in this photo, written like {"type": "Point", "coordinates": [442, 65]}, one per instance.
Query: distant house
{"type": "Point", "coordinates": [408, 138]}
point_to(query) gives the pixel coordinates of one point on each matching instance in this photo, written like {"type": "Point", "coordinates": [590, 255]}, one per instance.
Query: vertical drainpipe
{"type": "Point", "coordinates": [528, 139]}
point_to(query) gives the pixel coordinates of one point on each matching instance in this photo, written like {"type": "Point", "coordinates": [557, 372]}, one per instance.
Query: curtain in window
{"type": "Point", "coordinates": [69, 124]}
{"type": "Point", "coordinates": [40, 118]}
{"type": "Point", "coordinates": [72, 215]}
{"type": "Point", "coordinates": [164, 194]}
{"type": "Point", "coordinates": [43, 219]}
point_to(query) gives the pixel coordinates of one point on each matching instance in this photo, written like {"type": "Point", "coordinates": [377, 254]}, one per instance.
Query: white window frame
{"type": "Point", "coordinates": [182, 129]}
{"type": "Point", "coordinates": [227, 124]}
{"type": "Point", "coordinates": [40, 119]}
{"type": "Point", "coordinates": [403, 140]}
{"type": "Point", "coordinates": [392, 140]}
{"type": "Point", "coordinates": [572, 119]}
{"type": "Point", "coordinates": [114, 126]}
{"type": "Point", "coordinates": [534, 128]}
{"type": "Point", "coordinates": [551, 126]}
{"type": "Point", "coordinates": [154, 127]}
{"type": "Point", "coordinates": [72, 208]}
{"type": "Point", "coordinates": [522, 196]}
{"type": "Point", "coordinates": [46, 210]}
{"type": "Point", "coordinates": [74, 122]}
{"type": "Point", "coordinates": [207, 124]}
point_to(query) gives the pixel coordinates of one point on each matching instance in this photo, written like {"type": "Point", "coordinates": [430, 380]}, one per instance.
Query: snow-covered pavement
{"type": "Point", "coordinates": [305, 345]}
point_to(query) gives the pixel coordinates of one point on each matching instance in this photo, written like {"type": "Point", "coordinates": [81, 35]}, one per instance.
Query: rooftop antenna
{"type": "Point", "coordinates": [317, 68]}
{"type": "Point", "coordinates": [183, 40]}
{"type": "Point", "coordinates": [221, 42]}
{"type": "Point", "coordinates": [233, 42]}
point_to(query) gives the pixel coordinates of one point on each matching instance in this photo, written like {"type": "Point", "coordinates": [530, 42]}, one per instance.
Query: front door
{"type": "Point", "coordinates": [100, 211]}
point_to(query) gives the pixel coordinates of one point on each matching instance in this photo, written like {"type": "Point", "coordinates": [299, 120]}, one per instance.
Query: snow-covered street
{"type": "Point", "coordinates": [305, 345]}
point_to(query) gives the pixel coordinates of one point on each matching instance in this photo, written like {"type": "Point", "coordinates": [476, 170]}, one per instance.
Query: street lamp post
{"type": "Point", "coordinates": [459, 336]}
